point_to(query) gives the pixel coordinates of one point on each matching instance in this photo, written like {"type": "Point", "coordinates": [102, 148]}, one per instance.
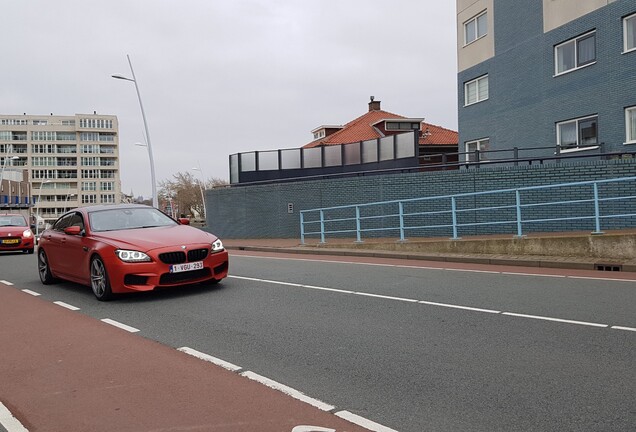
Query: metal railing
{"type": "Point", "coordinates": [501, 211]}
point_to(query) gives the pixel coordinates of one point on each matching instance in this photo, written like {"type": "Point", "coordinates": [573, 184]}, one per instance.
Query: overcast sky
{"type": "Point", "coordinates": [224, 77]}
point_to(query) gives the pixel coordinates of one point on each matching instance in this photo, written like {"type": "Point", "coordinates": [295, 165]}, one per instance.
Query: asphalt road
{"type": "Point", "coordinates": [473, 348]}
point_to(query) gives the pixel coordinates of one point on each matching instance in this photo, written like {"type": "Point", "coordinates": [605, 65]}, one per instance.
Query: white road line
{"type": "Point", "coordinates": [327, 289]}
{"type": "Point", "coordinates": [434, 268]}
{"type": "Point", "coordinates": [288, 391]}
{"type": "Point", "coordinates": [120, 325]}
{"type": "Point", "coordinates": [601, 279]}
{"type": "Point", "coordinates": [66, 305]}
{"type": "Point", "coordinates": [624, 328]}
{"type": "Point", "coordinates": [33, 293]}
{"type": "Point", "coordinates": [10, 423]}
{"type": "Point", "coordinates": [361, 421]}
{"type": "Point", "coordinates": [533, 274]}
{"type": "Point", "coordinates": [386, 297]}
{"type": "Point", "coordinates": [209, 358]}
{"type": "Point", "coordinates": [6, 282]}
{"type": "Point", "coordinates": [554, 319]}
{"type": "Point", "coordinates": [471, 270]}
{"type": "Point", "coordinates": [460, 307]}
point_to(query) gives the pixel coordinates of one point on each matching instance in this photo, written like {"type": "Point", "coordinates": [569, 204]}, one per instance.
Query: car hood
{"type": "Point", "coordinates": [12, 231]}
{"type": "Point", "coordinates": [147, 239]}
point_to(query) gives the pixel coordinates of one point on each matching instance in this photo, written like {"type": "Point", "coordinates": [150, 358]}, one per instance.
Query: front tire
{"type": "Point", "coordinates": [99, 280]}
{"type": "Point", "coordinates": [44, 270]}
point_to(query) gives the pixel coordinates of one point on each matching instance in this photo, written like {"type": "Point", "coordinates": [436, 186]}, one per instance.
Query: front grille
{"type": "Point", "coordinates": [180, 257]}
{"type": "Point", "coordinates": [172, 257]}
{"type": "Point", "coordinates": [173, 278]}
{"type": "Point", "coordinates": [197, 254]}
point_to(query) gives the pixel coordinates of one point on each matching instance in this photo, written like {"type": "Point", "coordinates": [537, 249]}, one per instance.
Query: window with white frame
{"type": "Point", "coordinates": [89, 199]}
{"type": "Point", "coordinates": [578, 133]}
{"type": "Point", "coordinates": [472, 146]}
{"type": "Point", "coordinates": [575, 53]}
{"type": "Point", "coordinates": [108, 186]}
{"type": "Point", "coordinates": [475, 28]}
{"type": "Point", "coordinates": [629, 33]}
{"type": "Point", "coordinates": [108, 199]}
{"type": "Point", "coordinates": [476, 90]}
{"type": "Point", "coordinates": [630, 125]}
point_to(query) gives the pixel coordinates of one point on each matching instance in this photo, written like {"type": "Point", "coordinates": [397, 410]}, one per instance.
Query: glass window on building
{"type": "Point", "coordinates": [629, 32]}
{"type": "Point", "coordinates": [578, 133]}
{"type": "Point", "coordinates": [475, 28]}
{"type": "Point", "coordinates": [575, 53]}
{"type": "Point", "coordinates": [472, 146]}
{"type": "Point", "coordinates": [476, 90]}
{"type": "Point", "coordinates": [630, 125]}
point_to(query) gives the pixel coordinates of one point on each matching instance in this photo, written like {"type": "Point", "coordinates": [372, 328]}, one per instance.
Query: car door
{"type": "Point", "coordinates": [54, 243]}
{"type": "Point", "coordinates": [74, 260]}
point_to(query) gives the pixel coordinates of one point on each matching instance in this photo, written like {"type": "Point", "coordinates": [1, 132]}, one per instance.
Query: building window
{"type": "Point", "coordinates": [89, 186]}
{"type": "Point", "coordinates": [402, 126]}
{"type": "Point", "coordinates": [629, 33]}
{"type": "Point", "coordinates": [578, 133]}
{"type": "Point", "coordinates": [630, 125]}
{"type": "Point", "coordinates": [471, 146]}
{"type": "Point", "coordinates": [575, 53]}
{"type": "Point", "coordinates": [476, 90]}
{"type": "Point", "coordinates": [89, 199]}
{"type": "Point", "coordinates": [108, 199]}
{"type": "Point", "coordinates": [108, 186]}
{"type": "Point", "coordinates": [475, 28]}
{"type": "Point", "coordinates": [40, 122]}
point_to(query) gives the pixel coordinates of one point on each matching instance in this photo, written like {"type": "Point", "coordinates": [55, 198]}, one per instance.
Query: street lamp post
{"type": "Point", "coordinates": [37, 213]}
{"type": "Point", "coordinates": [66, 206]}
{"type": "Point", "coordinates": [201, 189]}
{"type": "Point", "coordinates": [155, 202]}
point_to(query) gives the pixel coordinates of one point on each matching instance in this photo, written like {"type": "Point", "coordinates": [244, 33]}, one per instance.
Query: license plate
{"type": "Point", "coordinates": [11, 241]}
{"type": "Point", "coordinates": [178, 268]}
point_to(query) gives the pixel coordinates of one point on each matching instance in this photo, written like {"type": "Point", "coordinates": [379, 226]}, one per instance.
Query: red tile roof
{"type": "Point", "coordinates": [362, 129]}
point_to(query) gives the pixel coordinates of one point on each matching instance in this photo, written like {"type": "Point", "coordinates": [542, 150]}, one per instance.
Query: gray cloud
{"type": "Point", "coordinates": [220, 77]}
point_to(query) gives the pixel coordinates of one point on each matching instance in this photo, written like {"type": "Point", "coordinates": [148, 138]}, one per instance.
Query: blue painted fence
{"type": "Point", "coordinates": [594, 204]}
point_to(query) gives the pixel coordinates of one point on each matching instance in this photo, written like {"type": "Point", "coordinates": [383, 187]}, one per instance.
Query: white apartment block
{"type": "Point", "coordinates": [72, 161]}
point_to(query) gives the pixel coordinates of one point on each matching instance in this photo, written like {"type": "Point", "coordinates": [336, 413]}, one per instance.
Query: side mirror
{"type": "Point", "coordinates": [183, 221]}
{"type": "Point", "coordinates": [73, 230]}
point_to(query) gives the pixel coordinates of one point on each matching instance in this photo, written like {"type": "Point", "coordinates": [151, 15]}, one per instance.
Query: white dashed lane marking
{"type": "Point", "coordinates": [120, 325]}
{"type": "Point", "coordinates": [429, 303]}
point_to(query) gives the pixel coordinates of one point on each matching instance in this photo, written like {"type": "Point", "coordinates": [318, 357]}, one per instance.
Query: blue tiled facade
{"type": "Point", "coordinates": [526, 99]}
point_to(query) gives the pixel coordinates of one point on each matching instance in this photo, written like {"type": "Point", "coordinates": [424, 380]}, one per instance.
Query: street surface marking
{"type": "Point", "coordinates": [429, 303]}
{"type": "Point", "coordinates": [533, 274]}
{"type": "Point", "coordinates": [10, 423]}
{"type": "Point", "coordinates": [288, 391]}
{"type": "Point", "coordinates": [304, 428]}
{"type": "Point", "coordinates": [66, 305]}
{"type": "Point", "coordinates": [120, 325]}
{"type": "Point", "coordinates": [361, 421]}
{"type": "Point", "coordinates": [460, 307]}
{"type": "Point", "coordinates": [509, 273]}
{"type": "Point", "coordinates": [209, 358]}
{"type": "Point", "coordinates": [554, 319]}
{"type": "Point", "coordinates": [387, 297]}
{"type": "Point", "coordinates": [33, 293]}
{"type": "Point", "coordinates": [624, 328]}
{"type": "Point", "coordinates": [6, 282]}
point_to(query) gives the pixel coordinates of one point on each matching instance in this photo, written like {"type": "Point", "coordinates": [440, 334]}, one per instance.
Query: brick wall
{"type": "Point", "coordinates": [262, 211]}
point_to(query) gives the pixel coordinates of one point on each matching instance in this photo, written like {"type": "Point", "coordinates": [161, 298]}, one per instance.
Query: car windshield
{"type": "Point", "coordinates": [18, 221]}
{"type": "Point", "coordinates": [128, 218]}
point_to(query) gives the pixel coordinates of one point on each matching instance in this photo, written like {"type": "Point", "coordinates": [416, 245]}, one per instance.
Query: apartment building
{"type": "Point", "coordinates": [550, 76]}
{"type": "Point", "coordinates": [71, 160]}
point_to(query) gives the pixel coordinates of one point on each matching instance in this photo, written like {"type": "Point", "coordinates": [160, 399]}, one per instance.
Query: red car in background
{"type": "Point", "coordinates": [126, 248]}
{"type": "Point", "coordinates": [16, 234]}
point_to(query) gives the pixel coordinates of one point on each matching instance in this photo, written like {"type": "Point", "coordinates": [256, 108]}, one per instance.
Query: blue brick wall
{"type": "Point", "coordinates": [261, 211]}
{"type": "Point", "coordinates": [526, 100]}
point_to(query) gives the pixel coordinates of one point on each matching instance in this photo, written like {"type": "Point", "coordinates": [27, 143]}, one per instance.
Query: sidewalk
{"type": "Point", "coordinates": [390, 248]}
{"type": "Point", "coordinates": [62, 371]}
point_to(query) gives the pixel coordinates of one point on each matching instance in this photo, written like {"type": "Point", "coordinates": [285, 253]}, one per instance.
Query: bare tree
{"type": "Point", "coordinates": [182, 195]}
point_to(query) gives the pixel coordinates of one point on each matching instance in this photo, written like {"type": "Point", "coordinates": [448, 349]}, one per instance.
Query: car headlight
{"type": "Point", "coordinates": [132, 256]}
{"type": "Point", "coordinates": [27, 233]}
{"type": "Point", "coordinates": [217, 246]}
